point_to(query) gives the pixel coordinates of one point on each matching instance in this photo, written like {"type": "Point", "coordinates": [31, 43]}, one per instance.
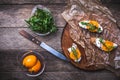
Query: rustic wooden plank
{"type": "Point", "coordinates": [111, 1]}
{"type": "Point", "coordinates": [59, 76]}
{"type": "Point", "coordinates": [15, 15]}
{"type": "Point", "coordinates": [53, 64]}
{"type": "Point", "coordinates": [115, 10]}
{"type": "Point", "coordinates": [33, 1]}
{"type": "Point", "coordinates": [14, 76]}
{"type": "Point", "coordinates": [56, 69]}
{"type": "Point", "coordinates": [46, 1]}
{"type": "Point", "coordinates": [78, 76]}
{"type": "Point", "coordinates": [22, 12]}
{"type": "Point", "coordinates": [11, 39]}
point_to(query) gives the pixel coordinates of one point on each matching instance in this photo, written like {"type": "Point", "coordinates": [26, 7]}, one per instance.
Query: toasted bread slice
{"type": "Point", "coordinates": [104, 45]}
{"type": "Point", "coordinates": [91, 25]}
{"type": "Point", "coordinates": [75, 53]}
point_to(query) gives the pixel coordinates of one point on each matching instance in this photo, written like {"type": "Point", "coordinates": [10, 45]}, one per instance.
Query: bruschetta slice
{"type": "Point", "coordinates": [104, 45]}
{"type": "Point", "coordinates": [91, 25]}
{"type": "Point", "coordinates": [74, 53]}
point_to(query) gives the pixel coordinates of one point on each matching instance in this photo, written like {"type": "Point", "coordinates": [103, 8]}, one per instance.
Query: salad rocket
{"type": "Point", "coordinates": [41, 22]}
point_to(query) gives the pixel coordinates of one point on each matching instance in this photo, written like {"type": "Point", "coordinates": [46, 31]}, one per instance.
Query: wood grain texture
{"type": "Point", "coordinates": [15, 66]}
{"type": "Point", "coordinates": [66, 43]}
{"type": "Point", "coordinates": [60, 76]}
{"type": "Point", "coordinates": [12, 44]}
{"type": "Point", "coordinates": [46, 1]}
{"type": "Point", "coordinates": [115, 10]}
{"type": "Point", "coordinates": [33, 1]}
{"type": "Point", "coordinates": [110, 1]}
{"type": "Point", "coordinates": [15, 15]}
{"type": "Point", "coordinates": [11, 39]}
{"type": "Point", "coordinates": [56, 69]}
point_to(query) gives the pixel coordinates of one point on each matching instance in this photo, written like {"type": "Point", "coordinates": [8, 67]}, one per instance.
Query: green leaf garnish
{"type": "Point", "coordinates": [108, 48]}
{"type": "Point", "coordinates": [101, 40]}
{"type": "Point", "coordinates": [41, 22]}
{"type": "Point", "coordinates": [99, 30]}
{"type": "Point", "coordinates": [92, 27]}
{"type": "Point", "coordinates": [74, 52]}
{"type": "Point", "coordinates": [84, 23]}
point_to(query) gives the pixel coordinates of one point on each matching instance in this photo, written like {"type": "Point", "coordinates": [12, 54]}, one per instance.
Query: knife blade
{"type": "Point", "coordinates": [43, 45]}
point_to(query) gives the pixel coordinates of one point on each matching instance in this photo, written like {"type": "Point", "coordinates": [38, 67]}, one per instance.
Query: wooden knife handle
{"type": "Point", "coordinates": [29, 37]}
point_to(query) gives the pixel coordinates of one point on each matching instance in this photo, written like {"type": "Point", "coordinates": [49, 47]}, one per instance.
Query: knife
{"type": "Point", "coordinates": [43, 45]}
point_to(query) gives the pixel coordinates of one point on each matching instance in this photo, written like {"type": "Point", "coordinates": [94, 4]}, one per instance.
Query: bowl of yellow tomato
{"type": "Point", "coordinates": [32, 63]}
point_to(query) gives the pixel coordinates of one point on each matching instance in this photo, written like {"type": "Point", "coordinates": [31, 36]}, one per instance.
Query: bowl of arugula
{"type": "Point", "coordinates": [41, 21]}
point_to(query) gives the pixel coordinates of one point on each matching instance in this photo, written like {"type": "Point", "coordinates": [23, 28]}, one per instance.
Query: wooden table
{"type": "Point", "coordinates": [12, 16]}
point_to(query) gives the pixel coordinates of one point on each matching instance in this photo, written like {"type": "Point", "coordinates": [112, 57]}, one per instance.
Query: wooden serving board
{"type": "Point", "coordinates": [66, 42]}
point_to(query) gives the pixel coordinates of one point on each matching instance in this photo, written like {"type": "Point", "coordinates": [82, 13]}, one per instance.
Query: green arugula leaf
{"type": "Point", "coordinates": [42, 22]}
{"type": "Point", "coordinates": [84, 23]}
{"type": "Point", "coordinates": [74, 52]}
{"type": "Point", "coordinates": [99, 30]}
{"type": "Point", "coordinates": [92, 27]}
{"type": "Point", "coordinates": [108, 48]}
{"type": "Point", "coordinates": [101, 40]}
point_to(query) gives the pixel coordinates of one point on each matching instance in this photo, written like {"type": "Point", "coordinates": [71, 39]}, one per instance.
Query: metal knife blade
{"type": "Point", "coordinates": [43, 45]}
{"type": "Point", "coordinates": [53, 51]}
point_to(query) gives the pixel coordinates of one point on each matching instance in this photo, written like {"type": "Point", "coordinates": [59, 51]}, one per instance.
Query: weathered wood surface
{"type": "Point", "coordinates": [56, 69]}
{"type": "Point", "coordinates": [67, 43]}
{"type": "Point", "coordinates": [11, 39]}
{"type": "Point", "coordinates": [46, 1]}
{"type": "Point", "coordinates": [12, 44]}
{"type": "Point", "coordinates": [15, 15]}
{"type": "Point", "coordinates": [33, 1]}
